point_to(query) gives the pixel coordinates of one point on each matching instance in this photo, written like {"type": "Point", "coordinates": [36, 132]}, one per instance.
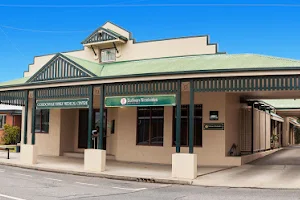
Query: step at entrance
{"type": "Point", "coordinates": [81, 155]}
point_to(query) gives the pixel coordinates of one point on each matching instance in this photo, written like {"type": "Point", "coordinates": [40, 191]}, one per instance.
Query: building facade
{"type": "Point", "coordinates": [11, 115]}
{"type": "Point", "coordinates": [175, 101]}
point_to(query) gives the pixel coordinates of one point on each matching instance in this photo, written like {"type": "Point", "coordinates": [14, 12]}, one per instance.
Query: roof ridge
{"type": "Point", "coordinates": [80, 59]}
{"type": "Point", "coordinates": [277, 57]}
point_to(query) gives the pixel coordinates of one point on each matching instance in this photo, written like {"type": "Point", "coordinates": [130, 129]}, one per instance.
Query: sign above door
{"type": "Point", "coordinates": [62, 104]}
{"type": "Point", "coordinates": [153, 100]}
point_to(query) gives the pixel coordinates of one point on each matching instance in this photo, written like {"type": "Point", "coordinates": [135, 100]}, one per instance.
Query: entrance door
{"type": "Point", "coordinates": [83, 127]}
{"type": "Point", "coordinates": [97, 123]}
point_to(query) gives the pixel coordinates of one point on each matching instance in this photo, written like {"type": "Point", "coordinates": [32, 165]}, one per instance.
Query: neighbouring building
{"type": "Point", "coordinates": [174, 101]}
{"type": "Point", "coordinates": [11, 115]}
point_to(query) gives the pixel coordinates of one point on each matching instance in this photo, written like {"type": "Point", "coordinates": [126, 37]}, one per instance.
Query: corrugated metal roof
{"type": "Point", "coordinates": [283, 103]}
{"type": "Point", "coordinates": [9, 107]}
{"type": "Point", "coordinates": [181, 64]}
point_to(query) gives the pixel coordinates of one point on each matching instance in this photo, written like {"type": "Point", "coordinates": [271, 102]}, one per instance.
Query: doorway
{"type": "Point", "coordinates": [83, 127]}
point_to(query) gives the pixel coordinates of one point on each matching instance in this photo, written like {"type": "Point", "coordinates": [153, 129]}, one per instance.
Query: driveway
{"type": "Point", "coordinates": [287, 156]}
{"type": "Point", "coordinates": [278, 170]}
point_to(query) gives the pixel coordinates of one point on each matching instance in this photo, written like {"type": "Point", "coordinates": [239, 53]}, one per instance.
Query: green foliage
{"type": "Point", "coordinates": [11, 134]}
{"type": "Point", "coordinates": [274, 139]}
{"type": "Point", "coordinates": [297, 135]}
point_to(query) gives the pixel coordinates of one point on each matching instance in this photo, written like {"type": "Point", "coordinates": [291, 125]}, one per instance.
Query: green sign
{"type": "Point", "coordinates": [155, 100]}
{"type": "Point", "coordinates": [214, 126]}
{"type": "Point", "coordinates": [64, 103]}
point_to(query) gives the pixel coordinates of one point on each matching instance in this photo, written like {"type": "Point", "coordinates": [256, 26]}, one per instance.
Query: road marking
{"type": "Point", "coordinates": [53, 179]}
{"type": "Point", "coordinates": [86, 184]}
{"type": "Point", "coordinates": [2, 170]}
{"type": "Point", "coordinates": [23, 174]}
{"type": "Point", "coordinates": [10, 197]}
{"type": "Point", "coordinates": [130, 189]}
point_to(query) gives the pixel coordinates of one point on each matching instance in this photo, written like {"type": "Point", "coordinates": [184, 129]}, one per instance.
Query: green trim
{"type": "Point", "coordinates": [112, 34]}
{"type": "Point", "coordinates": [178, 116]}
{"type": "Point", "coordinates": [52, 72]}
{"type": "Point", "coordinates": [101, 136]}
{"type": "Point", "coordinates": [33, 113]}
{"type": "Point", "coordinates": [25, 125]}
{"type": "Point", "coordinates": [191, 118]}
{"type": "Point", "coordinates": [90, 117]}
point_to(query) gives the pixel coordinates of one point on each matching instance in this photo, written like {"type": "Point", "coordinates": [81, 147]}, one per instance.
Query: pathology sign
{"type": "Point", "coordinates": [154, 100]}
{"type": "Point", "coordinates": [63, 104]}
{"type": "Point", "coordinates": [214, 126]}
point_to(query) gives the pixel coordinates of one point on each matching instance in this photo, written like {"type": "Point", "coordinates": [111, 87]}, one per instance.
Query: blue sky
{"type": "Point", "coordinates": [271, 30]}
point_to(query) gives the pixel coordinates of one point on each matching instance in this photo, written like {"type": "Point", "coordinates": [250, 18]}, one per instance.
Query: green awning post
{"type": "Point", "coordinates": [178, 116]}
{"type": "Point", "coordinates": [90, 117]}
{"type": "Point", "coordinates": [100, 138]}
{"type": "Point", "coordinates": [33, 117]}
{"type": "Point", "coordinates": [25, 117]}
{"type": "Point", "coordinates": [191, 118]}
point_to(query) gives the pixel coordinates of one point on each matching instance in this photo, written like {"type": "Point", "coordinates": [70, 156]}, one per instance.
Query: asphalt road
{"type": "Point", "coordinates": [286, 156]}
{"type": "Point", "coordinates": [22, 184]}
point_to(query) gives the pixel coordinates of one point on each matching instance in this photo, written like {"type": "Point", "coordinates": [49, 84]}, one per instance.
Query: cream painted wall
{"type": "Point", "coordinates": [212, 152]}
{"type": "Point", "coordinates": [232, 123]}
{"type": "Point", "coordinates": [165, 48]}
{"type": "Point", "coordinates": [285, 134]}
{"type": "Point", "coordinates": [67, 130]}
{"type": "Point", "coordinates": [136, 50]}
{"type": "Point", "coordinates": [47, 144]}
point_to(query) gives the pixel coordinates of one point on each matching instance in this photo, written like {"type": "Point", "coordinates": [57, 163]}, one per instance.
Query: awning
{"type": "Point", "coordinates": [276, 117]}
{"type": "Point", "coordinates": [294, 122]}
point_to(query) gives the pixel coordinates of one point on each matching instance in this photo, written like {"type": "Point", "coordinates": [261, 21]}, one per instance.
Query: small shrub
{"type": "Point", "coordinates": [11, 134]}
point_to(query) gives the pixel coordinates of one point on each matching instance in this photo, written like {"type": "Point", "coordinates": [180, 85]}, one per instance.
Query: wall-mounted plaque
{"type": "Point", "coordinates": [213, 115]}
{"type": "Point", "coordinates": [214, 126]}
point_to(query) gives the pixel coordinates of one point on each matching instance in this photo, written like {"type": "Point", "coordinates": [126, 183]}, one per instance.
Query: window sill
{"type": "Point", "coordinates": [188, 146]}
{"type": "Point", "coordinates": [149, 145]}
{"type": "Point", "coordinates": [41, 132]}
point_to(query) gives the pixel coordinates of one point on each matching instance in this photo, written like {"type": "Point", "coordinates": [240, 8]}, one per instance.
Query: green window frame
{"type": "Point", "coordinates": [42, 121]}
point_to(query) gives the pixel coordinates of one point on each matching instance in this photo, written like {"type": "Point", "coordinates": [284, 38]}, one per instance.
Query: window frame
{"type": "Point", "coordinates": [150, 126]}
{"type": "Point", "coordinates": [40, 130]}
{"type": "Point", "coordinates": [188, 119]}
{"type": "Point", "coordinates": [108, 61]}
{"type": "Point", "coordinates": [3, 121]}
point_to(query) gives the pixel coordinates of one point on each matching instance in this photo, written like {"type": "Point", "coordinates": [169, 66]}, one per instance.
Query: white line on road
{"type": "Point", "coordinates": [10, 197]}
{"type": "Point", "coordinates": [2, 171]}
{"type": "Point", "coordinates": [86, 184]}
{"type": "Point", "coordinates": [22, 174]}
{"type": "Point", "coordinates": [52, 179]}
{"type": "Point", "coordinates": [130, 189]}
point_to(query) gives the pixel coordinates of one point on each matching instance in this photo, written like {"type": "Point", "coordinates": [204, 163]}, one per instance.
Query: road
{"type": "Point", "coordinates": [286, 156]}
{"type": "Point", "coordinates": [23, 184]}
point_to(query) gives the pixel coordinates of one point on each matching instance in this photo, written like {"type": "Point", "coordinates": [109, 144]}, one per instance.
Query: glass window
{"type": "Point", "coordinates": [42, 121]}
{"type": "Point", "coordinates": [2, 121]}
{"type": "Point", "coordinates": [108, 55]}
{"type": "Point", "coordinates": [150, 126]}
{"type": "Point", "coordinates": [184, 141]}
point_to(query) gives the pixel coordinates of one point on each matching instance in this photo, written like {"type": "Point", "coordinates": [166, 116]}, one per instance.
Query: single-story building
{"type": "Point", "coordinates": [175, 101]}
{"type": "Point", "coordinates": [11, 115]}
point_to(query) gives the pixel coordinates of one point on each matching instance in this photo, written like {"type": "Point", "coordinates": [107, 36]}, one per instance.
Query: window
{"type": "Point", "coordinates": [185, 125]}
{"type": "Point", "coordinates": [150, 126]}
{"type": "Point", "coordinates": [108, 55]}
{"type": "Point", "coordinates": [2, 121]}
{"type": "Point", "coordinates": [42, 121]}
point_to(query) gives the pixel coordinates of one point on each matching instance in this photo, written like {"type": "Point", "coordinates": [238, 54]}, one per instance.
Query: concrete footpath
{"type": "Point", "coordinates": [153, 173]}
{"type": "Point", "coordinates": [278, 170]}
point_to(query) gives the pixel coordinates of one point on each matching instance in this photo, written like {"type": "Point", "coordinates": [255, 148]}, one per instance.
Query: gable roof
{"type": "Point", "coordinates": [111, 35]}
{"type": "Point", "coordinates": [180, 64]}
{"type": "Point", "coordinates": [61, 67]}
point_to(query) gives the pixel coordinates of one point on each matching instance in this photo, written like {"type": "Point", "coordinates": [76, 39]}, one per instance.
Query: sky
{"type": "Point", "coordinates": [32, 28]}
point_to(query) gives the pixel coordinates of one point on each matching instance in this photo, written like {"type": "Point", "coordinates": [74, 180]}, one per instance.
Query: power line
{"type": "Point", "coordinates": [147, 5]}
{"type": "Point", "coordinates": [9, 40]}
{"type": "Point", "coordinates": [43, 31]}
